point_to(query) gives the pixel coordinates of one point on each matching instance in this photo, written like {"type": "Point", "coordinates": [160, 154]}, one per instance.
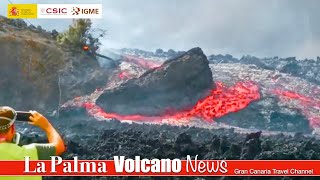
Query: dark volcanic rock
{"type": "Point", "coordinates": [222, 59]}
{"type": "Point", "coordinates": [267, 114]}
{"type": "Point", "coordinates": [105, 139]}
{"type": "Point", "coordinates": [176, 85]}
{"type": "Point", "coordinates": [307, 68]}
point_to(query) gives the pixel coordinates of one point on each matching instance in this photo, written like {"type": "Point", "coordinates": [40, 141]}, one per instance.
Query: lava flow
{"type": "Point", "coordinates": [306, 104]}
{"type": "Point", "coordinates": [221, 101]}
{"type": "Point", "coordinates": [124, 75]}
{"type": "Point", "coordinates": [146, 64]}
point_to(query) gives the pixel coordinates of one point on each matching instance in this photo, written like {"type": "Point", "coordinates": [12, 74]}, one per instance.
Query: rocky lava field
{"type": "Point", "coordinates": [280, 123]}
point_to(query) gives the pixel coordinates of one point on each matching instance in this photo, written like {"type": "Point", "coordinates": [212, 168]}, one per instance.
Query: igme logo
{"type": "Point", "coordinates": [77, 11]}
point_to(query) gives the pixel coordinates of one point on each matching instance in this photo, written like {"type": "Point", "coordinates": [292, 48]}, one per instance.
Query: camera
{"type": "Point", "coordinates": [23, 116]}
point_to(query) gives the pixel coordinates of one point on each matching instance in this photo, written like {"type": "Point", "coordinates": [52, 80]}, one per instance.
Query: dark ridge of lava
{"type": "Point", "coordinates": [176, 85]}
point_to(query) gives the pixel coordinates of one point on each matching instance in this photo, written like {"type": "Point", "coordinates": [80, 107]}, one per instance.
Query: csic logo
{"type": "Point", "coordinates": [54, 11]}
{"type": "Point", "coordinates": [14, 11]}
{"type": "Point", "coordinates": [77, 11]}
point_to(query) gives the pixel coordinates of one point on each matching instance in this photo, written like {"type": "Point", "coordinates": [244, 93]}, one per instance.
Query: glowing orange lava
{"type": "Point", "coordinates": [124, 75]}
{"type": "Point", "coordinates": [85, 48]}
{"type": "Point", "coordinates": [221, 101]}
{"type": "Point", "coordinates": [305, 104]}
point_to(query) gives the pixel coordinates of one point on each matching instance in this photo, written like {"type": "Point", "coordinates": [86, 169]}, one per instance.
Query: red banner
{"type": "Point", "coordinates": [155, 167]}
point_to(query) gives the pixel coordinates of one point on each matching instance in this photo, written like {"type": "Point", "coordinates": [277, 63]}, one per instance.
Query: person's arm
{"type": "Point", "coordinates": [53, 136]}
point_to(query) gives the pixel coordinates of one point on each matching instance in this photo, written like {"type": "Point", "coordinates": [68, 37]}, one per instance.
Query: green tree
{"type": "Point", "coordinates": [79, 34]}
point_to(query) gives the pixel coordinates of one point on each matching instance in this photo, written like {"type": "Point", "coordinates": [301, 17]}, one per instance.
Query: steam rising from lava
{"type": "Point", "coordinates": [146, 64]}
{"type": "Point", "coordinates": [137, 63]}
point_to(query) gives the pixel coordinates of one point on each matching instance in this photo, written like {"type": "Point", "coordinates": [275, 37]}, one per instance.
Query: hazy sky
{"type": "Point", "coordinates": [238, 27]}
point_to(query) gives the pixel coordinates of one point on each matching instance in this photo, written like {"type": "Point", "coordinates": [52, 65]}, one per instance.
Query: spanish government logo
{"type": "Point", "coordinates": [14, 11]}
{"type": "Point", "coordinates": [22, 10]}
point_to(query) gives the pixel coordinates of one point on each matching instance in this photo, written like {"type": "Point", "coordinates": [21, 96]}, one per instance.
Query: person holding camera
{"type": "Point", "coordinates": [9, 139]}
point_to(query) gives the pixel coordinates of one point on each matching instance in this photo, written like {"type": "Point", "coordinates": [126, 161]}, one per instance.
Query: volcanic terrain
{"type": "Point", "coordinates": [256, 108]}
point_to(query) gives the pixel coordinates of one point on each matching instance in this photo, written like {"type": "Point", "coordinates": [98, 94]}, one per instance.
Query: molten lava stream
{"type": "Point", "coordinates": [305, 105]}
{"type": "Point", "coordinates": [218, 103]}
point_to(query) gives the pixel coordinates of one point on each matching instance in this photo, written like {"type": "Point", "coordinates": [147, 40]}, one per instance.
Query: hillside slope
{"type": "Point", "coordinates": [36, 73]}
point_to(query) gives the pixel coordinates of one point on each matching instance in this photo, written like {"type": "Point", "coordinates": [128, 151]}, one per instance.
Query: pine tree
{"type": "Point", "coordinates": [77, 35]}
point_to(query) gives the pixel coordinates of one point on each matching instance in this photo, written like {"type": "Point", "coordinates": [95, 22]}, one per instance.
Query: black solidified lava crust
{"type": "Point", "coordinates": [88, 139]}
{"type": "Point", "coordinates": [176, 85]}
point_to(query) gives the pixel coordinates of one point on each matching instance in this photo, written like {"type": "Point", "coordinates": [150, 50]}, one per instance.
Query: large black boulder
{"type": "Point", "coordinates": [176, 85]}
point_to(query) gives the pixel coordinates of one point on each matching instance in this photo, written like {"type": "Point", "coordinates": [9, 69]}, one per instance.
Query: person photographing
{"type": "Point", "coordinates": [9, 139]}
